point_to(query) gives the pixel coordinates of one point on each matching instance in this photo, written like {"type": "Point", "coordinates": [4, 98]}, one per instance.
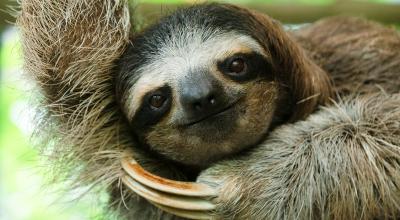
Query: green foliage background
{"type": "Point", "coordinates": [22, 195]}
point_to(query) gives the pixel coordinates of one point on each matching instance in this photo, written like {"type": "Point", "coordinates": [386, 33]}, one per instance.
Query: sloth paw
{"type": "Point", "coordinates": [232, 185]}
{"type": "Point", "coordinates": [184, 199]}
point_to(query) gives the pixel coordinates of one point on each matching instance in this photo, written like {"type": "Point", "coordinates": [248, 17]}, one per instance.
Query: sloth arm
{"type": "Point", "coordinates": [70, 49]}
{"type": "Point", "coordinates": [360, 56]}
{"type": "Point", "coordinates": [341, 163]}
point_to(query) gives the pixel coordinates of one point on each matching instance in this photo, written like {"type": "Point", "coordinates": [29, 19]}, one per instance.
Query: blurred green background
{"type": "Point", "coordinates": [22, 194]}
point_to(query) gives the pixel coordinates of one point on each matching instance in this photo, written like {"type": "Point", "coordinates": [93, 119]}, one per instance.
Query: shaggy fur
{"type": "Point", "coordinates": [356, 53]}
{"type": "Point", "coordinates": [342, 162]}
{"type": "Point", "coordinates": [69, 50]}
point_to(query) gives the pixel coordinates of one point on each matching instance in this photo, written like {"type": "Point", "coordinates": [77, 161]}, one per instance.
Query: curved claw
{"type": "Point", "coordinates": [134, 170]}
{"type": "Point", "coordinates": [184, 199]}
{"type": "Point", "coordinates": [185, 213]}
{"type": "Point", "coordinates": [168, 200]}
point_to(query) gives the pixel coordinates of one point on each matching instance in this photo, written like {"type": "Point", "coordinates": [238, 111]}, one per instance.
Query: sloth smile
{"type": "Point", "coordinates": [213, 115]}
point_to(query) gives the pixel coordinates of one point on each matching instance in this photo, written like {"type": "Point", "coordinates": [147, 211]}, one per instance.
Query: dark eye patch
{"type": "Point", "coordinates": [255, 65]}
{"type": "Point", "coordinates": [147, 115]}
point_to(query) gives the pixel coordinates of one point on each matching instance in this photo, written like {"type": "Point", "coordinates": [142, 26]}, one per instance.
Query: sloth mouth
{"type": "Point", "coordinates": [215, 114]}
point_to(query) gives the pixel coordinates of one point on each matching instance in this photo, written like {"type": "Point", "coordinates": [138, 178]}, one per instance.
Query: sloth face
{"type": "Point", "coordinates": [205, 99]}
{"type": "Point", "coordinates": [200, 85]}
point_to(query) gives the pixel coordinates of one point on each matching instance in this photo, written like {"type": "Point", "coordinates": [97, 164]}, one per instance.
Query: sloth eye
{"type": "Point", "coordinates": [242, 67]}
{"type": "Point", "coordinates": [153, 107]}
{"type": "Point", "coordinates": [237, 66]}
{"type": "Point", "coordinates": [157, 101]}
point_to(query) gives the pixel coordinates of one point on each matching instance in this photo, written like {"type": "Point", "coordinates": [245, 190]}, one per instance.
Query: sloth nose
{"type": "Point", "coordinates": [200, 98]}
{"type": "Point", "coordinates": [200, 103]}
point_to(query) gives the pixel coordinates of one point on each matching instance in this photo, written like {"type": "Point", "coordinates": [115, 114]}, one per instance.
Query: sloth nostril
{"type": "Point", "coordinates": [211, 100]}
{"type": "Point", "coordinates": [205, 103]}
{"type": "Point", "coordinates": [197, 105]}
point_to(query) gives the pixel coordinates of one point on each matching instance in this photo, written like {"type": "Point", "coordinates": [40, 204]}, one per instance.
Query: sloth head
{"type": "Point", "coordinates": [211, 80]}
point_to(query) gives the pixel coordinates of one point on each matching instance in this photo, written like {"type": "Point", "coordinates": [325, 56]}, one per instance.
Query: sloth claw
{"type": "Point", "coordinates": [185, 199]}
{"type": "Point", "coordinates": [133, 169]}
{"type": "Point", "coordinates": [185, 213]}
{"type": "Point", "coordinates": [169, 200]}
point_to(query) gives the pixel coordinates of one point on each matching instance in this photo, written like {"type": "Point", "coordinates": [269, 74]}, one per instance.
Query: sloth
{"type": "Point", "coordinates": [224, 96]}
{"type": "Point", "coordinates": [199, 85]}
{"type": "Point", "coordinates": [210, 81]}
